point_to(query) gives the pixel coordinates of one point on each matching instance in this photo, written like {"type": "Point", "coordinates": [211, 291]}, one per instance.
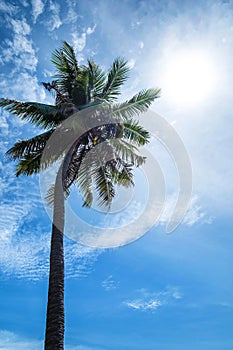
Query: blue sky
{"type": "Point", "coordinates": [163, 291]}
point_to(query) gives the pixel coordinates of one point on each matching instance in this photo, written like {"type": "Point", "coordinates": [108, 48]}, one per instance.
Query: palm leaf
{"type": "Point", "coordinates": [29, 147]}
{"type": "Point", "coordinates": [135, 133]}
{"type": "Point", "coordinates": [85, 182]}
{"type": "Point", "coordinates": [97, 79]}
{"type": "Point", "coordinates": [116, 78]}
{"type": "Point", "coordinates": [65, 61]}
{"type": "Point", "coordinates": [29, 165]}
{"type": "Point", "coordinates": [104, 186]}
{"type": "Point", "coordinates": [39, 114]}
{"type": "Point", "coordinates": [127, 152]}
{"type": "Point", "coordinates": [66, 64]}
{"type": "Point", "coordinates": [121, 172]}
{"type": "Point", "coordinates": [138, 104]}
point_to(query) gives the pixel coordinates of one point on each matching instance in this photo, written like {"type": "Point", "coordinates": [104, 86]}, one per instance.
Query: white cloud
{"type": "Point", "coordinates": [23, 86]}
{"type": "Point", "coordinates": [131, 63]}
{"type": "Point", "coordinates": [20, 26]}
{"type": "Point", "coordinates": [19, 50]}
{"type": "Point", "coordinates": [90, 30]}
{"type": "Point", "coordinates": [54, 21]}
{"type": "Point", "coordinates": [11, 341]}
{"type": "Point", "coordinates": [110, 284]}
{"type": "Point", "coordinates": [8, 8]}
{"type": "Point", "coordinates": [151, 301]}
{"type": "Point", "coordinates": [24, 247]}
{"type": "Point", "coordinates": [141, 44]}
{"type": "Point", "coordinates": [37, 9]}
{"type": "Point", "coordinates": [195, 213]}
{"type": "Point", "coordinates": [79, 41]}
{"type": "Point", "coordinates": [132, 222]}
{"type": "Point", "coordinates": [142, 305]}
{"type": "Point", "coordinates": [72, 15]}
{"type": "Point", "coordinates": [4, 127]}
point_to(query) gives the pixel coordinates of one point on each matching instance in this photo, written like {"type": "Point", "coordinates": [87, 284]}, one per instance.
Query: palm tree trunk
{"type": "Point", "coordinates": [54, 334]}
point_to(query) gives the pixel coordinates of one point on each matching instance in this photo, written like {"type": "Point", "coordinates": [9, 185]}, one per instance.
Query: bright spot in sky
{"type": "Point", "coordinates": [189, 78]}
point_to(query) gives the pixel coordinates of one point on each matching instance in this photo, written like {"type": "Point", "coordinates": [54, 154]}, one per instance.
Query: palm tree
{"type": "Point", "coordinates": [76, 88]}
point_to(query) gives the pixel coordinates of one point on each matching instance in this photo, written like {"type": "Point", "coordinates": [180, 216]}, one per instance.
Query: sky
{"type": "Point", "coordinates": [166, 291]}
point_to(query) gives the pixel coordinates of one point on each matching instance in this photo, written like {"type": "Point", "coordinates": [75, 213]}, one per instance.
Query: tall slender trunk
{"type": "Point", "coordinates": [54, 334]}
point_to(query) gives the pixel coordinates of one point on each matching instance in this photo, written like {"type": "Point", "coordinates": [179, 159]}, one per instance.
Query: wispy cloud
{"type": "Point", "coordinates": [24, 246]}
{"type": "Point", "coordinates": [79, 40]}
{"type": "Point", "coordinates": [72, 12]}
{"type": "Point", "coordinates": [144, 305]}
{"type": "Point", "coordinates": [20, 53]}
{"type": "Point", "coordinates": [110, 284]}
{"type": "Point", "coordinates": [136, 219]}
{"type": "Point", "coordinates": [12, 341]}
{"type": "Point", "coordinates": [53, 21]}
{"type": "Point", "coordinates": [147, 301]}
{"type": "Point", "coordinates": [37, 9]}
{"type": "Point", "coordinates": [8, 8]}
{"type": "Point", "coordinates": [195, 214]}
{"type": "Point", "coordinates": [19, 50]}
{"type": "Point", "coordinates": [23, 86]}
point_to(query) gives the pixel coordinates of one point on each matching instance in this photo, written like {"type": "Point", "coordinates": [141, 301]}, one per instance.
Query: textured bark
{"type": "Point", "coordinates": [54, 334]}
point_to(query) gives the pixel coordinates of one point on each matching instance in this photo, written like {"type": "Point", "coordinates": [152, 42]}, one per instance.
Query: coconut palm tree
{"type": "Point", "coordinates": [75, 89]}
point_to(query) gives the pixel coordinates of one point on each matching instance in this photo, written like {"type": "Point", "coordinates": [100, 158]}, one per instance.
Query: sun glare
{"type": "Point", "coordinates": [189, 79]}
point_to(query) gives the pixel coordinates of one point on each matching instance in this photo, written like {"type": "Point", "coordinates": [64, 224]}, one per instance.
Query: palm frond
{"type": "Point", "coordinates": [71, 171]}
{"type": "Point", "coordinates": [117, 75]}
{"type": "Point", "coordinates": [135, 133]}
{"type": "Point", "coordinates": [138, 104]}
{"type": "Point", "coordinates": [125, 177]}
{"type": "Point", "coordinates": [65, 61]}
{"type": "Point", "coordinates": [127, 152]}
{"type": "Point", "coordinates": [66, 64]}
{"type": "Point", "coordinates": [32, 146]}
{"type": "Point", "coordinates": [29, 165]}
{"type": "Point", "coordinates": [121, 172]}
{"type": "Point", "coordinates": [39, 114]}
{"type": "Point", "coordinates": [104, 186]}
{"type": "Point", "coordinates": [85, 182]}
{"type": "Point", "coordinates": [94, 176]}
{"type": "Point", "coordinates": [97, 79]}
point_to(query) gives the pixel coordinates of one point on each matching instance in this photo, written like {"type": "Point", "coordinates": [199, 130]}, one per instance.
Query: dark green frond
{"type": "Point", "coordinates": [65, 61]}
{"type": "Point", "coordinates": [67, 68]}
{"type": "Point", "coordinates": [29, 147]}
{"type": "Point", "coordinates": [39, 114]}
{"type": "Point", "coordinates": [117, 75]}
{"type": "Point", "coordinates": [97, 79]}
{"type": "Point", "coordinates": [28, 165]}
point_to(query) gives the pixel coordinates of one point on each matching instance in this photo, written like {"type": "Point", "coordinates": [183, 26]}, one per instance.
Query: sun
{"type": "Point", "coordinates": [189, 78]}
